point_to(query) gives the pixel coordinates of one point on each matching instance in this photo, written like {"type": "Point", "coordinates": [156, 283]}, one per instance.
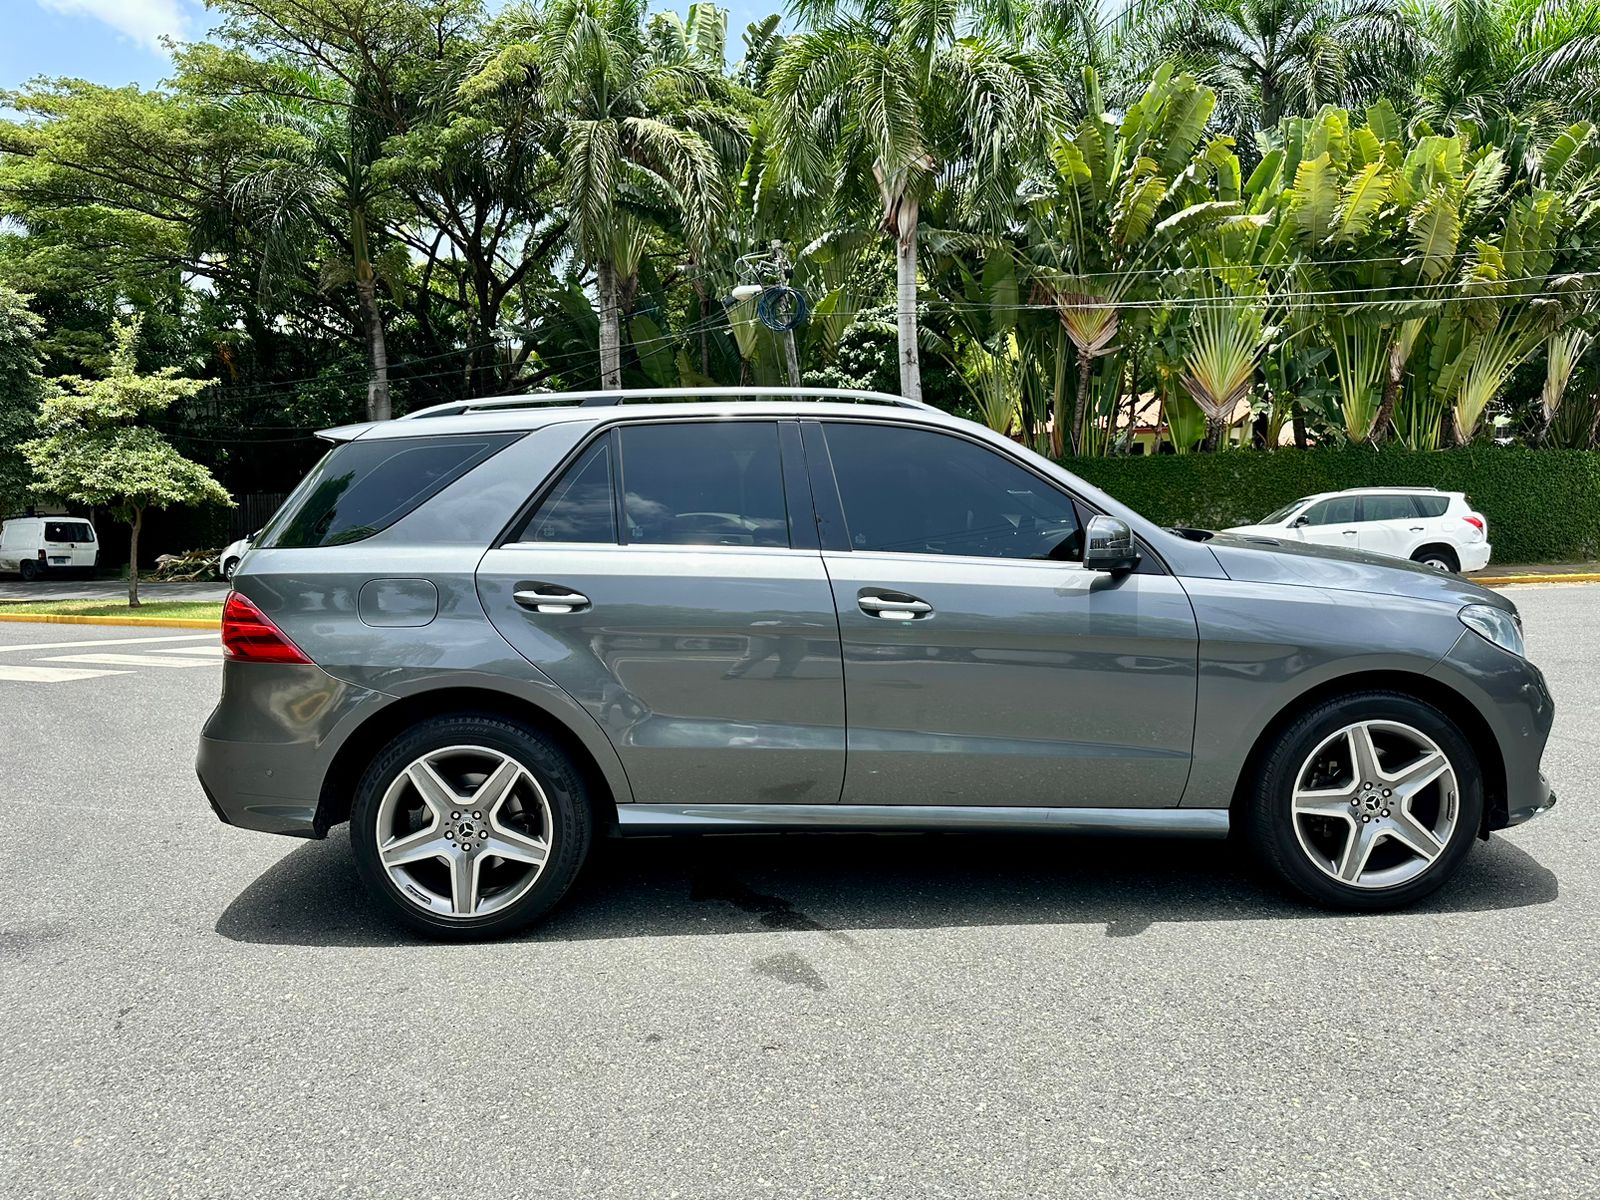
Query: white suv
{"type": "Point", "coordinates": [1434, 528]}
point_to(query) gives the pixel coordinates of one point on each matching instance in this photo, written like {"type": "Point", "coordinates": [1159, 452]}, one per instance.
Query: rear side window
{"type": "Point", "coordinates": [363, 487]}
{"type": "Point", "coordinates": [704, 483]}
{"type": "Point", "coordinates": [1388, 508]}
{"type": "Point", "coordinates": [580, 507]}
{"type": "Point", "coordinates": [1431, 506]}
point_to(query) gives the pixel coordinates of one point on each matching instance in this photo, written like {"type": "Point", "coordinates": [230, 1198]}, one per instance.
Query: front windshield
{"type": "Point", "coordinates": [1273, 518]}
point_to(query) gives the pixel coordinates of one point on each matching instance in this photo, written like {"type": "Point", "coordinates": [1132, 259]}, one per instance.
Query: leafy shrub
{"type": "Point", "coordinates": [1542, 505]}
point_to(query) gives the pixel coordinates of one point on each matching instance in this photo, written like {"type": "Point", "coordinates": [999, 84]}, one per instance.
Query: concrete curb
{"type": "Point", "coordinates": [1502, 580]}
{"type": "Point", "coordinates": [148, 622]}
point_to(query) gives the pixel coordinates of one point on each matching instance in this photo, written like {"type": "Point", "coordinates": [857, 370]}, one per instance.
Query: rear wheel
{"type": "Point", "coordinates": [28, 568]}
{"type": "Point", "coordinates": [470, 826]}
{"type": "Point", "coordinates": [1438, 558]}
{"type": "Point", "coordinates": [1367, 802]}
{"type": "Point", "coordinates": [229, 567]}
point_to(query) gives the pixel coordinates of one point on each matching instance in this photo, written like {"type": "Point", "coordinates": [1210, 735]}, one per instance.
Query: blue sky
{"type": "Point", "coordinates": [119, 41]}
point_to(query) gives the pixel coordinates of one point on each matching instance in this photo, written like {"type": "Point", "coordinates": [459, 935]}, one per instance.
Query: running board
{"type": "Point", "coordinates": [922, 818]}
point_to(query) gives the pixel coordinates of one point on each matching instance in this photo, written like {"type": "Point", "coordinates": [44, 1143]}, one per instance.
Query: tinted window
{"type": "Point", "coordinates": [67, 531]}
{"type": "Point", "coordinates": [1387, 508]}
{"type": "Point", "coordinates": [1280, 514]}
{"type": "Point", "coordinates": [579, 508]}
{"type": "Point", "coordinates": [1431, 506]}
{"type": "Point", "coordinates": [704, 484]}
{"type": "Point", "coordinates": [912, 491]}
{"type": "Point", "coordinates": [1340, 510]}
{"type": "Point", "coordinates": [364, 486]}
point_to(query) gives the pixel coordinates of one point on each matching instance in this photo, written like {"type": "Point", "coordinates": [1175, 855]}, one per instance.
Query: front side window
{"type": "Point", "coordinates": [1340, 510]}
{"type": "Point", "coordinates": [705, 483]}
{"type": "Point", "coordinates": [914, 491]}
{"type": "Point", "coordinates": [1281, 514]}
{"type": "Point", "coordinates": [363, 487]}
{"type": "Point", "coordinates": [579, 508]}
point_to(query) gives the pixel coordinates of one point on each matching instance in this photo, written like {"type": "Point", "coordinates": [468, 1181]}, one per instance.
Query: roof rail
{"type": "Point", "coordinates": [635, 395]}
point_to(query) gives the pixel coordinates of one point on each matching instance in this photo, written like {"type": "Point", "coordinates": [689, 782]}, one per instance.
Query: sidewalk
{"type": "Point", "coordinates": [47, 590]}
{"type": "Point", "coordinates": [1501, 573]}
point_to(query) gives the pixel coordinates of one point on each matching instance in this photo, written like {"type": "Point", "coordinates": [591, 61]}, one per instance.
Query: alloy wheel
{"type": "Point", "coordinates": [464, 831]}
{"type": "Point", "coordinates": [1375, 804]}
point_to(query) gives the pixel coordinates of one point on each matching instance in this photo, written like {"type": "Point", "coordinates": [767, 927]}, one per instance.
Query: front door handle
{"type": "Point", "coordinates": [549, 598]}
{"type": "Point", "coordinates": [893, 606]}
{"type": "Point", "coordinates": [1349, 532]}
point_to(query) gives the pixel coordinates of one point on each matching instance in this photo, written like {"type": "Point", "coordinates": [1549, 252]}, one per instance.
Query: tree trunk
{"type": "Point", "coordinates": [133, 559]}
{"type": "Point", "coordinates": [905, 258]}
{"type": "Point", "coordinates": [378, 407]}
{"type": "Point", "coordinates": [1298, 422]}
{"type": "Point", "coordinates": [1085, 372]}
{"type": "Point", "coordinates": [1391, 394]}
{"type": "Point", "coordinates": [1213, 440]}
{"type": "Point", "coordinates": [610, 325]}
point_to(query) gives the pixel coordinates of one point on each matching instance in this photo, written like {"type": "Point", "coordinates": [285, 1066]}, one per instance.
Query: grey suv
{"type": "Point", "coordinates": [488, 633]}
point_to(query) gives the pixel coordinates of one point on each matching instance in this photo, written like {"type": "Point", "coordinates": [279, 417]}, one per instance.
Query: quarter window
{"type": "Point", "coordinates": [918, 492]}
{"type": "Point", "coordinates": [580, 507]}
{"type": "Point", "coordinates": [704, 483]}
{"type": "Point", "coordinates": [1431, 506]}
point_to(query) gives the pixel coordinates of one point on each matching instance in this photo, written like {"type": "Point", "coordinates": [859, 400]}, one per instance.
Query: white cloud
{"type": "Point", "coordinates": [144, 21]}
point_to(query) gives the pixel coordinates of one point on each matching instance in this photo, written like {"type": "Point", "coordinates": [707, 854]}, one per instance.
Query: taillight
{"type": "Point", "coordinates": [249, 635]}
{"type": "Point", "coordinates": [1475, 521]}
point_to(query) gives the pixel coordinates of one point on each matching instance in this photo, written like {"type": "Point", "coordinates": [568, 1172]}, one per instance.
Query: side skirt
{"type": "Point", "coordinates": [646, 819]}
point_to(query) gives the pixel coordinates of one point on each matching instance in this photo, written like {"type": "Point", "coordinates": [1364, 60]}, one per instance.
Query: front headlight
{"type": "Point", "coordinates": [1495, 625]}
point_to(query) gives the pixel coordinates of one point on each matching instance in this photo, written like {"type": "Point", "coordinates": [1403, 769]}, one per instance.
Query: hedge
{"type": "Point", "coordinates": [1542, 505]}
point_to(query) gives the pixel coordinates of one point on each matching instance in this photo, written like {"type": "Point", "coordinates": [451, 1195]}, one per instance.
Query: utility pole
{"type": "Point", "coordinates": [789, 354]}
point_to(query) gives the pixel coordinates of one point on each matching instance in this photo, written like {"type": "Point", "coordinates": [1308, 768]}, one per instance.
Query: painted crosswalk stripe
{"type": "Point", "coordinates": [128, 660]}
{"type": "Point", "coordinates": [48, 674]}
{"type": "Point", "coordinates": [208, 651]}
{"type": "Point", "coordinates": [122, 641]}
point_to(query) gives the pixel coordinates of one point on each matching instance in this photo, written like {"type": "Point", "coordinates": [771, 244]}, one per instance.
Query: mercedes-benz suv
{"type": "Point", "coordinates": [486, 634]}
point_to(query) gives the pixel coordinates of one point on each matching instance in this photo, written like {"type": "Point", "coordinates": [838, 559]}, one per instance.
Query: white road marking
{"type": "Point", "coordinates": [128, 660]}
{"type": "Point", "coordinates": [208, 651]}
{"type": "Point", "coordinates": [49, 674]}
{"type": "Point", "coordinates": [125, 641]}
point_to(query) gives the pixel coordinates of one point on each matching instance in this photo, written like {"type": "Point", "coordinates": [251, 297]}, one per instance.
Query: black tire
{"type": "Point", "coordinates": [570, 814]}
{"type": "Point", "coordinates": [228, 568]}
{"type": "Point", "coordinates": [1439, 558]}
{"type": "Point", "coordinates": [1269, 823]}
{"type": "Point", "coordinates": [28, 568]}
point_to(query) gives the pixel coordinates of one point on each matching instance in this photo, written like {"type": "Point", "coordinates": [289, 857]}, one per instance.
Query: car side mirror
{"type": "Point", "coordinates": [1108, 546]}
{"type": "Point", "coordinates": [1299, 521]}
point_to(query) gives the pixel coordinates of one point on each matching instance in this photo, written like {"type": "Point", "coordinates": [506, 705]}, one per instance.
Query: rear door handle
{"type": "Point", "coordinates": [549, 598]}
{"type": "Point", "coordinates": [893, 606]}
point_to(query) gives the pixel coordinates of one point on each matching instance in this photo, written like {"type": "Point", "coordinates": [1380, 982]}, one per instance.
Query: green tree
{"type": "Point", "coordinates": [1270, 59]}
{"type": "Point", "coordinates": [883, 100]}
{"type": "Point", "coordinates": [20, 389]}
{"type": "Point", "coordinates": [92, 452]}
{"type": "Point", "coordinates": [636, 135]}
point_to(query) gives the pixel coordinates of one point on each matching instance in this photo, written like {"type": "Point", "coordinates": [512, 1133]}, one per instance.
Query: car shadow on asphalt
{"type": "Point", "coordinates": [835, 883]}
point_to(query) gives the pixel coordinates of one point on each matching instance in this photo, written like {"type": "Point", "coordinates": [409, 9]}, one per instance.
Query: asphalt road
{"type": "Point", "coordinates": [188, 1010]}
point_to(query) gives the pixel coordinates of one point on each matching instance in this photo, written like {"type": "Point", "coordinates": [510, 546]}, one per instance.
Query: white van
{"type": "Point", "coordinates": [33, 545]}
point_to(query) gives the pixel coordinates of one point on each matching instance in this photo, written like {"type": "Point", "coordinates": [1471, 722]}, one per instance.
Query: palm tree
{"type": "Point", "coordinates": [637, 123]}
{"type": "Point", "coordinates": [1269, 59]}
{"type": "Point", "coordinates": [906, 94]}
{"type": "Point", "coordinates": [315, 175]}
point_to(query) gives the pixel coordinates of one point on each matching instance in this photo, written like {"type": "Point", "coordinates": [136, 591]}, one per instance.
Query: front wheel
{"type": "Point", "coordinates": [470, 826]}
{"type": "Point", "coordinates": [229, 567]}
{"type": "Point", "coordinates": [1368, 802]}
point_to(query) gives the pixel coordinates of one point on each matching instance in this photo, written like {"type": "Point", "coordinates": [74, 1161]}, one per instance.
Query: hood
{"type": "Point", "coordinates": [1255, 558]}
